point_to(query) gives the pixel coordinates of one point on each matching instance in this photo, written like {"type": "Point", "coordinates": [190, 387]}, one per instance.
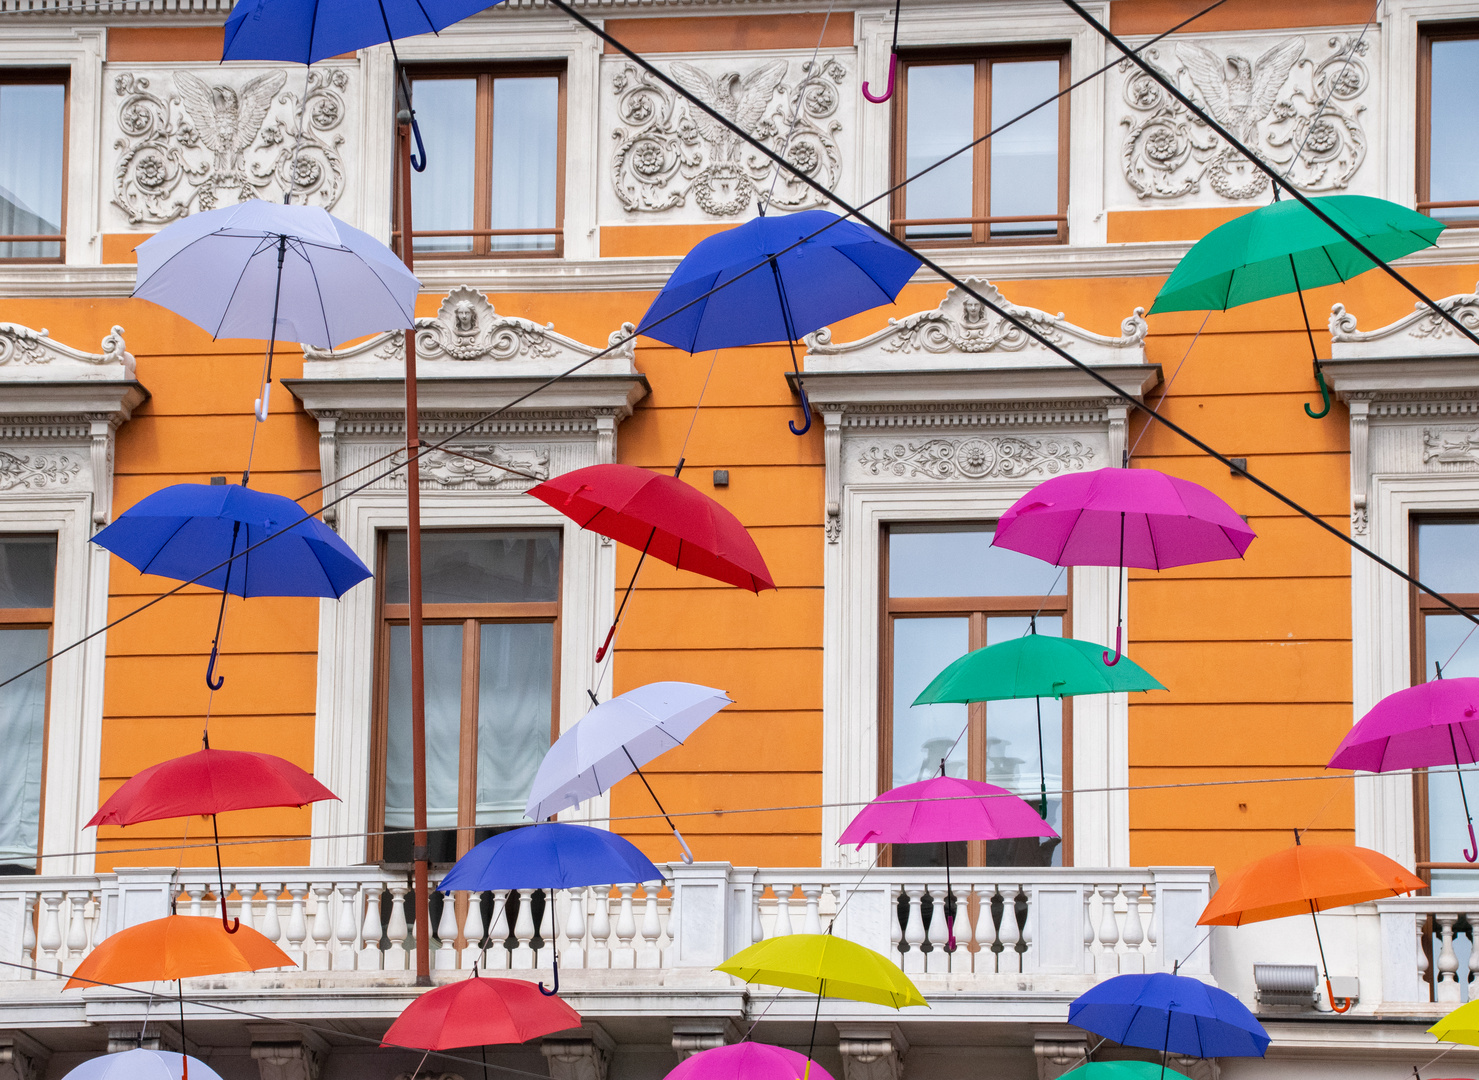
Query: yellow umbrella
{"type": "Point", "coordinates": [1459, 1026]}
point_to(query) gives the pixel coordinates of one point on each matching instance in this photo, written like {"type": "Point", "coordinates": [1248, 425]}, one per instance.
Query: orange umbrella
{"type": "Point", "coordinates": [1307, 879]}
{"type": "Point", "coordinates": [176, 947]}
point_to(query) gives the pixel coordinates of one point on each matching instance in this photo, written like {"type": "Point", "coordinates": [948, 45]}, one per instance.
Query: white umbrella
{"type": "Point", "coordinates": [142, 1065]}
{"type": "Point", "coordinates": [616, 739]}
{"type": "Point", "coordinates": [279, 272]}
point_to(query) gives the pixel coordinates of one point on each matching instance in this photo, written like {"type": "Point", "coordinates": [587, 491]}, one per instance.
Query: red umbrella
{"type": "Point", "coordinates": [479, 1012]}
{"type": "Point", "coordinates": [210, 782]}
{"type": "Point", "coordinates": [660, 516]}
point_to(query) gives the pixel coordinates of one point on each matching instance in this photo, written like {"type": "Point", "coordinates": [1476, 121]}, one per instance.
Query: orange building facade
{"type": "Point", "coordinates": [564, 186]}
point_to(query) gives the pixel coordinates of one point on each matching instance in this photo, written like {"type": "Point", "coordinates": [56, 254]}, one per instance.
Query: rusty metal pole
{"type": "Point", "coordinates": [419, 850]}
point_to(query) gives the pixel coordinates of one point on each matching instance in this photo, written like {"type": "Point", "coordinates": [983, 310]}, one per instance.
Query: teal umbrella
{"type": "Point", "coordinates": [1121, 1070]}
{"type": "Point", "coordinates": [1285, 248]}
{"type": "Point", "coordinates": [1035, 666]}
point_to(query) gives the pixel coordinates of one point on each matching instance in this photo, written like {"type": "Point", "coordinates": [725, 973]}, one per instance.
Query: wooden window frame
{"type": "Point", "coordinates": [1426, 35]}
{"type": "Point", "coordinates": [482, 232]}
{"type": "Point", "coordinates": [13, 76]}
{"type": "Point", "coordinates": [977, 609]}
{"type": "Point", "coordinates": [472, 617]}
{"type": "Point", "coordinates": [980, 220]}
{"type": "Point", "coordinates": [37, 619]}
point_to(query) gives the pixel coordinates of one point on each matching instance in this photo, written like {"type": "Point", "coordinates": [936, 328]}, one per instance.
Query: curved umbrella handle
{"type": "Point", "coordinates": [231, 925]}
{"type": "Point", "coordinates": [688, 855]}
{"type": "Point", "coordinates": [601, 652]}
{"type": "Point", "coordinates": [419, 166]}
{"type": "Point", "coordinates": [805, 412]}
{"type": "Point", "coordinates": [555, 989]}
{"type": "Point", "coordinates": [210, 669]}
{"type": "Point", "coordinates": [893, 63]}
{"type": "Point", "coordinates": [1330, 993]}
{"type": "Point", "coordinates": [1324, 397]}
{"type": "Point", "coordinates": [1471, 853]}
{"type": "Point", "coordinates": [260, 408]}
{"type": "Point", "coordinates": [1118, 651]}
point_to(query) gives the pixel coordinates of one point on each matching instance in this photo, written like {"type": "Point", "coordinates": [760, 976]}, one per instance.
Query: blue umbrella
{"type": "Point", "coordinates": [1170, 1012]}
{"type": "Point", "coordinates": [550, 856]}
{"type": "Point", "coordinates": [307, 31]}
{"type": "Point", "coordinates": [186, 530]}
{"type": "Point", "coordinates": [843, 270]}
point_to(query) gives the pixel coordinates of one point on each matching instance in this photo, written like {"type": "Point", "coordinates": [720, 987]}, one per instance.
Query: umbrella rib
{"type": "Point", "coordinates": [261, 247]}
{"type": "Point", "coordinates": [324, 311]}
{"type": "Point", "coordinates": [145, 568]}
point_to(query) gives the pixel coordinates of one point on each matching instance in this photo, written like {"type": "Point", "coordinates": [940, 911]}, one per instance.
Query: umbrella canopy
{"type": "Point", "coordinates": [615, 739]}
{"type": "Point", "coordinates": [176, 947]}
{"type": "Point", "coordinates": [1459, 1026]}
{"type": "Point", "coordinates": [1433, 723]}
{"type": "Point", "coordinates": [209, 782]}
{"type": "Point", "coordinates": [824, 965]}
{"type": "Point", "coordinates": [479, 1012]}
{"type": "Point", "coordinates": [1261, 253]}
{"type": "Point", "coordinates": [962, 810]}
{"type": "Point", "coordinates": [1123, 517]}
{"type": "Point", "coordinates": [553, 855]}
{"type": "Point", "coordinates": [1122, 1070]}
{"type": "Point", "coordinates": [661, 515]}
{"type": "Point", "coordinates": [142, 1064]}
{"type": "Point", "coordinates": [846, 269]}
{"type": "Point", "coordinates": [1172, 1013]}
{"type": "Point", "coordinates": [186, 529]}
{"type": "Point", "coordinates": [1302, 879]}
{"type": "Point", "coordinates": [748, 1061]}
{"type": "Point", "coordinates": [307, 31]}
{"type": "Point", "coordinates": [220, 270]}
{"type": "Point", "coordinates": [1034, 665]}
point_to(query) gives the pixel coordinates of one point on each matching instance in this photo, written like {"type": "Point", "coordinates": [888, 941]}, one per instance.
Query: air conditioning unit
{"type": "Point", "coordinates": [1287, 984]}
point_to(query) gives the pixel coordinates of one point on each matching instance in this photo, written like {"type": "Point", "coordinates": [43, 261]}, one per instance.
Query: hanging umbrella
{"type": "Point", "coordinates": [615, 739]}
{"type": "Point", "coordinates": [826, 966]}
{"type": "Point", "coordinates": [479, 1012]}
{"type": "Point", "coordinates": [210, 782]}
{"type": "Point", "coordinates": [1426, 725]}
{"type": "Point", "coordinates": [1285, 248]}
{"type": "Point", "coordinates": [550, 856]}
{"type": "Point", "coordinates": [1034, 666]}
{"type": "Point", "coordinates": [660, 516]}
{"type": "Point", "coordinates": [307, 31]}
{"type": "Point", "coordinates": [322, 281]}
{"type": "Point", "coordinates": [1307, 879]}
{"type": "Point", "coordinates": [1123, 1070]}
{"type": "Point", "coordinates": [942, 810]}
{"type": "Point", "coordinates": [142, 1064]}
{"type": "Point", "coordinates": [747, 1061]}
{"type": "Point", "coordinates": [1170, 1013]}
{"type": "Point", "coordinates": [844, 270]}
{"type": "Point", "coordinates": [1123, 517]}
{"type": "Point", "coordinates": [1459, 1026]}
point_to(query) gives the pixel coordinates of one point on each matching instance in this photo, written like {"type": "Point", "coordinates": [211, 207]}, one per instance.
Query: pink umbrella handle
{"type": "Point", "coordinates": [1471, 853]}
{"type": "Point", "coordinates": [1118, 652]}
{"type": "Point", "coordinates": [893, 63]}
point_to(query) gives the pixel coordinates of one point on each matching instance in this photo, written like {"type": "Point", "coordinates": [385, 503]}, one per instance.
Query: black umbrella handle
{"type": "Point", "coordinates": [555, 989]}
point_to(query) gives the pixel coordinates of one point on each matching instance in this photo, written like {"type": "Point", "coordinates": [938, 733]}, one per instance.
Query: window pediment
{"type": "Point", "coordinates": [1416, 353]}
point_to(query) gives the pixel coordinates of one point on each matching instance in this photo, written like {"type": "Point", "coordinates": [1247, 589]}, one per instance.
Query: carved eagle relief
{"type": "Point", "coordinates": [1241, 100]}
{"type": "Point", "coordinates": [228, 121]}
{"type": "Point", "coordinates": [742, 100]}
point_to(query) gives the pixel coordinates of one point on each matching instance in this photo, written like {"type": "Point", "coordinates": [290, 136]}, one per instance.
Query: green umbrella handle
{"type": "Point", "coordinates": [1324, 396]}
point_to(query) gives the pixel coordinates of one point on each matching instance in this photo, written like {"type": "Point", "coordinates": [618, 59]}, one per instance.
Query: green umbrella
{"type": "Point", "coordinates": [1035, 666]}
{"type": "Point", "coordinates": [1284, 248]}
{"type": "Point", "coordinates": [1121, 1070]}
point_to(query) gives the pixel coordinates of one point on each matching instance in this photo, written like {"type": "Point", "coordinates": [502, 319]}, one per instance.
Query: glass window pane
{"type": "Point", "coordinates": [1014, 732]}
{"type": "Point", "coordinates": [443, 673]}
{"type": "Point", "coordinates": [1448, 832]}
{"type": "Point", "coordinates": [940, 119]}
{"type": "Point", "coordinates": [442, 196]}
{"type": "Point", "coordinates": [1448, 556]}
{"type": "Point", "coordinates": [924, 734]}
{"type": "Point", "coordinates": [1453, 152]}
{"type": "Point", "coordinates": [506, 566]}
{"type": "Point", "coordinates": [1024, 157]}
{"type": "Point", "coordinates": [22, 733]}
{"type": "Point", "coordinates": [526, 127]}
{"type": "Point", "coordinates": [27, 571]}
{"type": "Point", "coordinates": [958, 560]}
{"type": "Point", "coordinates": [32, 131]}
{"type": "Point", "coordinates": [515, 681]}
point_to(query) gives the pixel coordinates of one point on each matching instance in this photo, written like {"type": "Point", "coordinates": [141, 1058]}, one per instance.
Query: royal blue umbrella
{"type": "Point", "coordinates": [1169, 1012]}
{"type": "Point", "coordinates": [186, 531]}
{"type": "Point", "coordinates": [550, 856]}
{"type": "Point", "coordinates": [844, 269]}
{"type": "Point", "coordinates": [307, 31]}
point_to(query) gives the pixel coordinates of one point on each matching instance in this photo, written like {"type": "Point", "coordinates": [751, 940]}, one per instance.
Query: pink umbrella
{"type": "Point", "coordinates": [1429, 724]}
{"type": "Point", "coordinates": [747, 1061]}
{"type": "Point", "coordinates": [1123, 517]}
{"type": "Point", "coordinates": [940, 810]}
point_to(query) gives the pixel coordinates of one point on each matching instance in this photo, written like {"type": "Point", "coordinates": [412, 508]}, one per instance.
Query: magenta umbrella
{"type": "Point", "coordinates": [940, 810]}
{"type": "Point", "coordinates": [747, 1061]}
{"type": "Point", "coordinates": [1429, 724]}
{"type": "Point", "coordinates": [1123, 517]}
